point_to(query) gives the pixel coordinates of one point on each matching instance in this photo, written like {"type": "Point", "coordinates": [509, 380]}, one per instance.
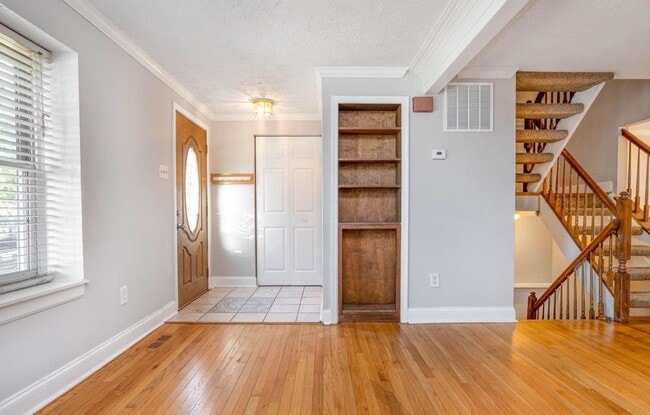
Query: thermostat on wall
{"type": "Point", "coordinates": [439, 154]}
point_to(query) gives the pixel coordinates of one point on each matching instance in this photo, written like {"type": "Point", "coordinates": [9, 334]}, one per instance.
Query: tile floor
{"type": "Point", "coordinates": [254, 305]}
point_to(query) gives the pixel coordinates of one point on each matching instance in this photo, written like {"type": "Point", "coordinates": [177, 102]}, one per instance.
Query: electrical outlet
{"type": "Point", "coordinates": [434, 279]}
{"type": "Point", "coordinates": [124, 295]}
{"type": "Point", "coordinates": [439, 154]}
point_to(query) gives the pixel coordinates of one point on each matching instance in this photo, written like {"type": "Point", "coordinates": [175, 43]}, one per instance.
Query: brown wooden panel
{"type": "Point", "coordinates": [369, 107]}
{"type": "Point", "coordinates": [192, 245]}
{"type": "Point", "coordinates": [369, 174]}
{"type": "Point", "coordinates": [369, 205]}
{"type": "Point", "coordinates": [369, 146]}
{"type": "Point", "coordinates": [368, 119]}
{"type": "Point", "coordinates": [369, 266]}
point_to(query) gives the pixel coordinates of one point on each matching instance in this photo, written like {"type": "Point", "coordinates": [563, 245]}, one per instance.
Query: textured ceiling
{"type": "Point", "coordinates": [575, 35]}
{"type": "Point", "coordinates": [227, 52]}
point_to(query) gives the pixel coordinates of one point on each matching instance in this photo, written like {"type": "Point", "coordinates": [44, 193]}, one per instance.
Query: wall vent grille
{"type": "Point", "coordinates": [469, 107]}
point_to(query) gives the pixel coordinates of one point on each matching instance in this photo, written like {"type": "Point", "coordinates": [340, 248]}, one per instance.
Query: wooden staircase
{"type": "Point", "coordinates": [546, 99]}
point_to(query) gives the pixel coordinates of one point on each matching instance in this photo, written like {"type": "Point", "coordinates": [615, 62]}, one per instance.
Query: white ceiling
{"type": "Point", "coordinates": [575, 35]}
{"type": "Point", "coordinates": [227, 52]}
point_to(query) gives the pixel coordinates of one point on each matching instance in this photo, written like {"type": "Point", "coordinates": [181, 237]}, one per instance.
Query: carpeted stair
{"type": "Point", "coordinates": [538, 111]}
{"type": "Point", "coordinates": [527, 178]}
{"type": "Point", "coordinates": [533, 158]}
{"type": "Point", "coordinates": [533, 141]}
{"type": "Point", "coordinates": [587, 230]}
{"type": "Point", "coordinates": [640, 299]}
{"type": "Point", "coordinates": [560, 81]}
{"type": "Point", "coordinates": [541, 136]}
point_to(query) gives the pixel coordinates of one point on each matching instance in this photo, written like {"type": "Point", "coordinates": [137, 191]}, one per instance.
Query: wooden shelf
{"type": "Point", "coordinates": [369, 131]}
{"type": "Point", "coordinates": [369, 211]}
{"type": "Point", "coordinates": [369, 225]}
{"type": "Point", "coordinates": [369, 186]}
{"type": "Point", "coordinates": [370, 160]}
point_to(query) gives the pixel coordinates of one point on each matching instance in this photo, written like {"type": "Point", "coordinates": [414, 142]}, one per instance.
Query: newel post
{"type": "Point", "coordinates": [532, 313]}
{"type": "Point", "coordinates": [623, 251]}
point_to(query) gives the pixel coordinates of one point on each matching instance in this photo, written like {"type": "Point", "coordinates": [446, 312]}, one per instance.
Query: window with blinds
{"type": "Point", "coordinates": [29, 161]}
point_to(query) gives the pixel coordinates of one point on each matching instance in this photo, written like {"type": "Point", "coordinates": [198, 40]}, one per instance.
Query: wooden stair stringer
{"type": "Point", "coordinates": [586, 98]}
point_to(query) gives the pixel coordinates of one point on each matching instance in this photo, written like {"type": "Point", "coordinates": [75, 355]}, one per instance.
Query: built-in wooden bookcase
{"type": "Point", "coordinates": [369, 179]}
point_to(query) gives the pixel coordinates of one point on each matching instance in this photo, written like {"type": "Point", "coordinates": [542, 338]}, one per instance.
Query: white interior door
{"type": "Point", "coordinates": [289, 205]}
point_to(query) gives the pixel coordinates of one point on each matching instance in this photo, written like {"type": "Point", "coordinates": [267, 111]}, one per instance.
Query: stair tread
{"type": "Point", "coordinates": [552, 111]}
{"type": "Point", "coordinates": [541, 136]}
{"type": "Point", "coordinates": [533, 158]}
{"type": "Point", "coordinates": [528, 177]}
{"type": "Point", "coordinates": [586, 230]}
{"type": "Point", "coordinates": [637, 250]}
{"type": "Point", "coordinates": [560, 81]}
{"type": "Point", "coordinates": [640, 299]}
{"type": "Point", "coordinates": [639, 273]}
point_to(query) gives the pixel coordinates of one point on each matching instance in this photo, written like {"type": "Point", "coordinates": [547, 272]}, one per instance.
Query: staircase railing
{"type": "Point", "coordinates": [578, 201]}
{"type": "Point", "coordinates": [579, 290]}
{"type": "Point", "coordinates": [603, 231]}
{"type": "Point", "coordinates": [638, 174]}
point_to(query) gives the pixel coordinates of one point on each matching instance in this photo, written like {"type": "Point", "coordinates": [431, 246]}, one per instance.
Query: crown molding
{"type": "Point", "coordinates": [275, 117]}
{"type": "Point", "coordinates": [101, 22]}
{"type": "Point", "coordinates": [481, 72]}
{"type": "Point", "coordinates": [462, 30]}
{"type": "Point", "coordinates": [361, 72]}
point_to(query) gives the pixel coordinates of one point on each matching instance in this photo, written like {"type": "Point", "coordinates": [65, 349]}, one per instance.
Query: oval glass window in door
{"type": "Point", "coordinates": [192, 189]}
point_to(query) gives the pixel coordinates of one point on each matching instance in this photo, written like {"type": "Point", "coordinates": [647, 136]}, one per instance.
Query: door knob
{"type": "Point", "coordinates": [180, 226]}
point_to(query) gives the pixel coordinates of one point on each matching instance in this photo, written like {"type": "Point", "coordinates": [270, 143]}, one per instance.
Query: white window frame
{"type": "Point", "coordinates": [69, 284]}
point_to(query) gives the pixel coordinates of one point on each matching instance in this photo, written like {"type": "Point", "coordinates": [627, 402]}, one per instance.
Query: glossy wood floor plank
{"type": "Point", "coordinates": [537, 367]}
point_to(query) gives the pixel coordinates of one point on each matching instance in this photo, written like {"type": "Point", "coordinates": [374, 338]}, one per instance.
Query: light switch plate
{"type": "Point", "coordinates": [439, 154]}
{"type": "Point", "coordinates": [163, 171]}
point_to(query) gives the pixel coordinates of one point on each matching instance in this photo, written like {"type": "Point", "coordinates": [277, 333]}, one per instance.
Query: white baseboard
{"type": "Point", "coordinates": [326, 316]}
{"type": "Point", "coordinates": [45, 390]}
{"type": "Point", "coordinates": [232, 282]}
{"type": "Point", "coordinates": [461, 315]}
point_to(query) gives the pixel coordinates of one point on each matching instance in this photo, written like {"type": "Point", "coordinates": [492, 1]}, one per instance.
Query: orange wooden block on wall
{"type": "Point", "coordinates": [422, 104]}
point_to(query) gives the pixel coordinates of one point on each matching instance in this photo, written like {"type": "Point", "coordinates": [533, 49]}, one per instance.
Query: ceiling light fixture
{"type": "Point", "coordinates": [262, 108]}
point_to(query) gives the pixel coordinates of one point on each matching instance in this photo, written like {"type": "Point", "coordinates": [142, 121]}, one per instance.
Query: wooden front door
{"type": "Point", "coordinates": [191, 210]}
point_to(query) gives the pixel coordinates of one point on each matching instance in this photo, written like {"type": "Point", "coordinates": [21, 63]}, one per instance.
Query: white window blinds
{"type": "Point", "coordinates": [29, 162]}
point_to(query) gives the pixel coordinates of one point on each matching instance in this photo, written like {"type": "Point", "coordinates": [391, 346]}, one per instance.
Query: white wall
{"type": "Point", "coordinates": [233, 207]}
{"type": "Point", "coordinates": [533, 251]}
{"type": "Point", "coordinates": [128, 228]}
{"type": "Point", "coordinates": [449, 200]}
{"type": "Point", "coordinates": [538, 260]}
{"type": "Point", "coordinates": [595, 143]}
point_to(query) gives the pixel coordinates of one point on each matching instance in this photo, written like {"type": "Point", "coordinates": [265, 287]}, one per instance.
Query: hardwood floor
{"type": "Point", "coordinates": [583, 367]}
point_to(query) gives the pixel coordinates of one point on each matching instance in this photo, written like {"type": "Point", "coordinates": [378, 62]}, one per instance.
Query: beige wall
{"type": "Point", "coordinates": [533, 251]}
{"type": "Point", "coordinates": [128, 223]}
{"type": "Point", "coordinates": [447, 233]}
{"type": "Point", "coordinates": [232, 215]}
{"type": "Point", "coordinates": [595, 142]}
{"type": "Point", "coordinates": [538, 260]}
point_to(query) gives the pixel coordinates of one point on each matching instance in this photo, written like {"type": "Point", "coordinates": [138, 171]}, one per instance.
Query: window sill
{"type": "Point", "coordinates": [23, 303]}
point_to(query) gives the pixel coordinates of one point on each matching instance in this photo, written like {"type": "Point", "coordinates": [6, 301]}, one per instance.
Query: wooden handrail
{"type": "Point", "coordinates": [590, 181]}
{"type": "Point", "coordinates": [637, 173]}
{"type": "Point", "coordinates": [636, 140]}
{"type": "Point", "coordinates": [591, 248]}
